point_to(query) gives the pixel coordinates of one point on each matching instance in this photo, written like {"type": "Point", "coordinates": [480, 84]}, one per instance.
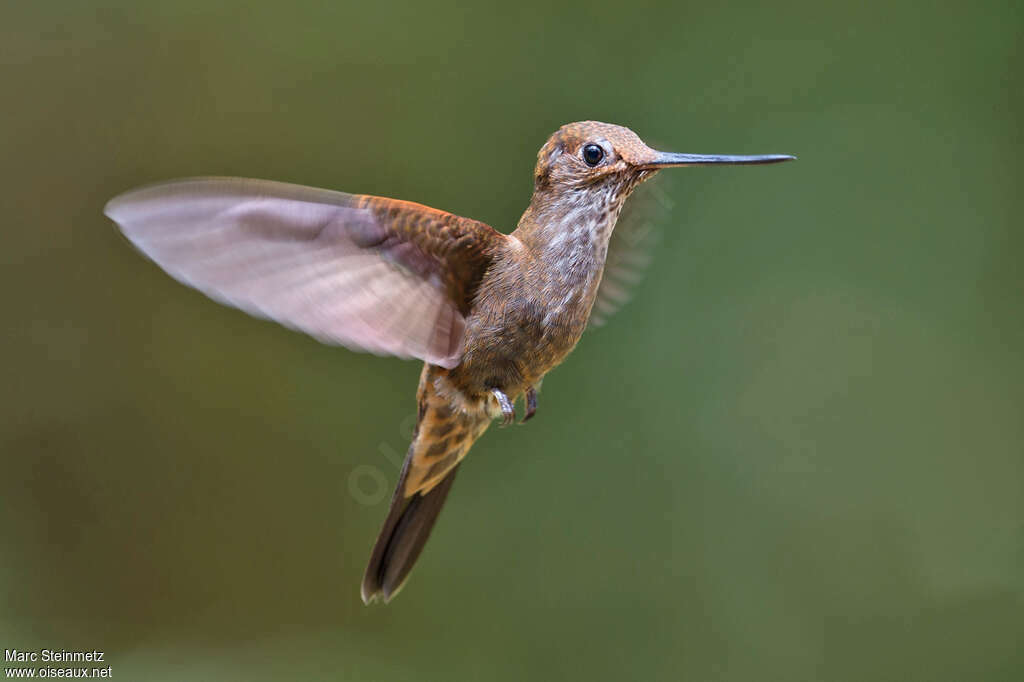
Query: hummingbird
{"type": "Point", "coordinates": [488, 313]}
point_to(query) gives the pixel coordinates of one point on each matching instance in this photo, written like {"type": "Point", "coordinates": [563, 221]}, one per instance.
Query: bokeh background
{"type": "Point", "coordinates": [795, 456]}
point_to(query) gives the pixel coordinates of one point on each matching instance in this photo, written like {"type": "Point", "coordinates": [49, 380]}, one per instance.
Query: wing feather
{"type": "Point", "coordinates": [630, 249]}
{"type": "Point", "coordinates": [382, 275]}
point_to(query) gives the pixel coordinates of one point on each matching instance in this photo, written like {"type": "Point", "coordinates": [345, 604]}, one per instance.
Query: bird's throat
{"type": "Point", "coordinates": [568, 234]}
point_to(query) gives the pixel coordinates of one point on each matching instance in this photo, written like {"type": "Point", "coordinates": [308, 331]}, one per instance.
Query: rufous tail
{"type": "Point", "coordinates": [442, 438]}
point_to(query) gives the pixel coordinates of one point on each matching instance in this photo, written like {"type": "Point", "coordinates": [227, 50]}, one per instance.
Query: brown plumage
{"type": "Point", "coordinates": [489, 313]}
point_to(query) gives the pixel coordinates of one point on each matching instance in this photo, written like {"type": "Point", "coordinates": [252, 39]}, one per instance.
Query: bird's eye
{"type": "Point", "coordinates": [593, 154]}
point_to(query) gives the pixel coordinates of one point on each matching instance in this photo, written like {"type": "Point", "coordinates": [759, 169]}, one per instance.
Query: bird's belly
{"type": "Point", "coordinates": [515, 351]}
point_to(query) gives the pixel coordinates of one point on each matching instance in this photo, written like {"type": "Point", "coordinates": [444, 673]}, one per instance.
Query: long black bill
{"type": "Point", "coordinates": [668, 159]}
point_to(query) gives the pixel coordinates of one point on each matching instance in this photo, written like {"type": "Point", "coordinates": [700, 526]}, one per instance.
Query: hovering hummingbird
{"type": "Point", "coordinates": [489, 313]}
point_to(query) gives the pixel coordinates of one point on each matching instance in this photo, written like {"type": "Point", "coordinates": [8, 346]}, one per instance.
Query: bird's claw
{"type": "Point", "coordinates": [531, 404]}
{"type": "Point", "coordinates": [508, 410]}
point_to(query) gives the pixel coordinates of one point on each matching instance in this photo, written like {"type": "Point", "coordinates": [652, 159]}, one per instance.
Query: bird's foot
{"type": "Point", "coordinates": [508, 410]}
{"type": "Point", "coordinates": [531, 404]}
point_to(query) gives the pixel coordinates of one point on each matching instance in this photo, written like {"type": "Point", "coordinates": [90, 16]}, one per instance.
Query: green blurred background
{"type": "Point", "coordinates": [795, 456]}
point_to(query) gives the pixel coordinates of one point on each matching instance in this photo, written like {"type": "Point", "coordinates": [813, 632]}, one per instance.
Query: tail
{"type": "Point", "coordinates": [401, 540]}
{"type": "Point", "coordinates": [443, 437]}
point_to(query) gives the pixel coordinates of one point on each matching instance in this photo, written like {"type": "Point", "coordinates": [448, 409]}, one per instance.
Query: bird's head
{"type": "Point", "coordinates": [610, 160]}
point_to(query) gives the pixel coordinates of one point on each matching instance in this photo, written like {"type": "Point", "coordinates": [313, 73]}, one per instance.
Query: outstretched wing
{"type": "Point", "coordinates": [381, 275]}
{"type": "Point", "coordinates": [631, 248]}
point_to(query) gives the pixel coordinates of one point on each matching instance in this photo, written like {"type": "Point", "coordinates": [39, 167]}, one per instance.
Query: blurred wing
{"type": "Point", "coordinates": [382, 275]}
{"type": "Point", "coordinates": [630, 249]}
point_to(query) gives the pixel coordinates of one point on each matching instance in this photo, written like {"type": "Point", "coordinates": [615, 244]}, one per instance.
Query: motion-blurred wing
{"type": "Point", "coordinates": [630, 249]}
{"type": "Point", "coordinates": [382, 275]}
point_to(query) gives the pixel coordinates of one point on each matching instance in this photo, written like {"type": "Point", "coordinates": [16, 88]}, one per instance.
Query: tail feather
{"type": "Point", "coordinates": [401, 540]}
{"type": "Point", "coordinates": [442, 438]}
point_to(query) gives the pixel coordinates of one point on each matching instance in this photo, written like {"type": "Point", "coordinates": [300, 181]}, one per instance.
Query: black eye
{"type": "Point", "coordinates": [593, 154]}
